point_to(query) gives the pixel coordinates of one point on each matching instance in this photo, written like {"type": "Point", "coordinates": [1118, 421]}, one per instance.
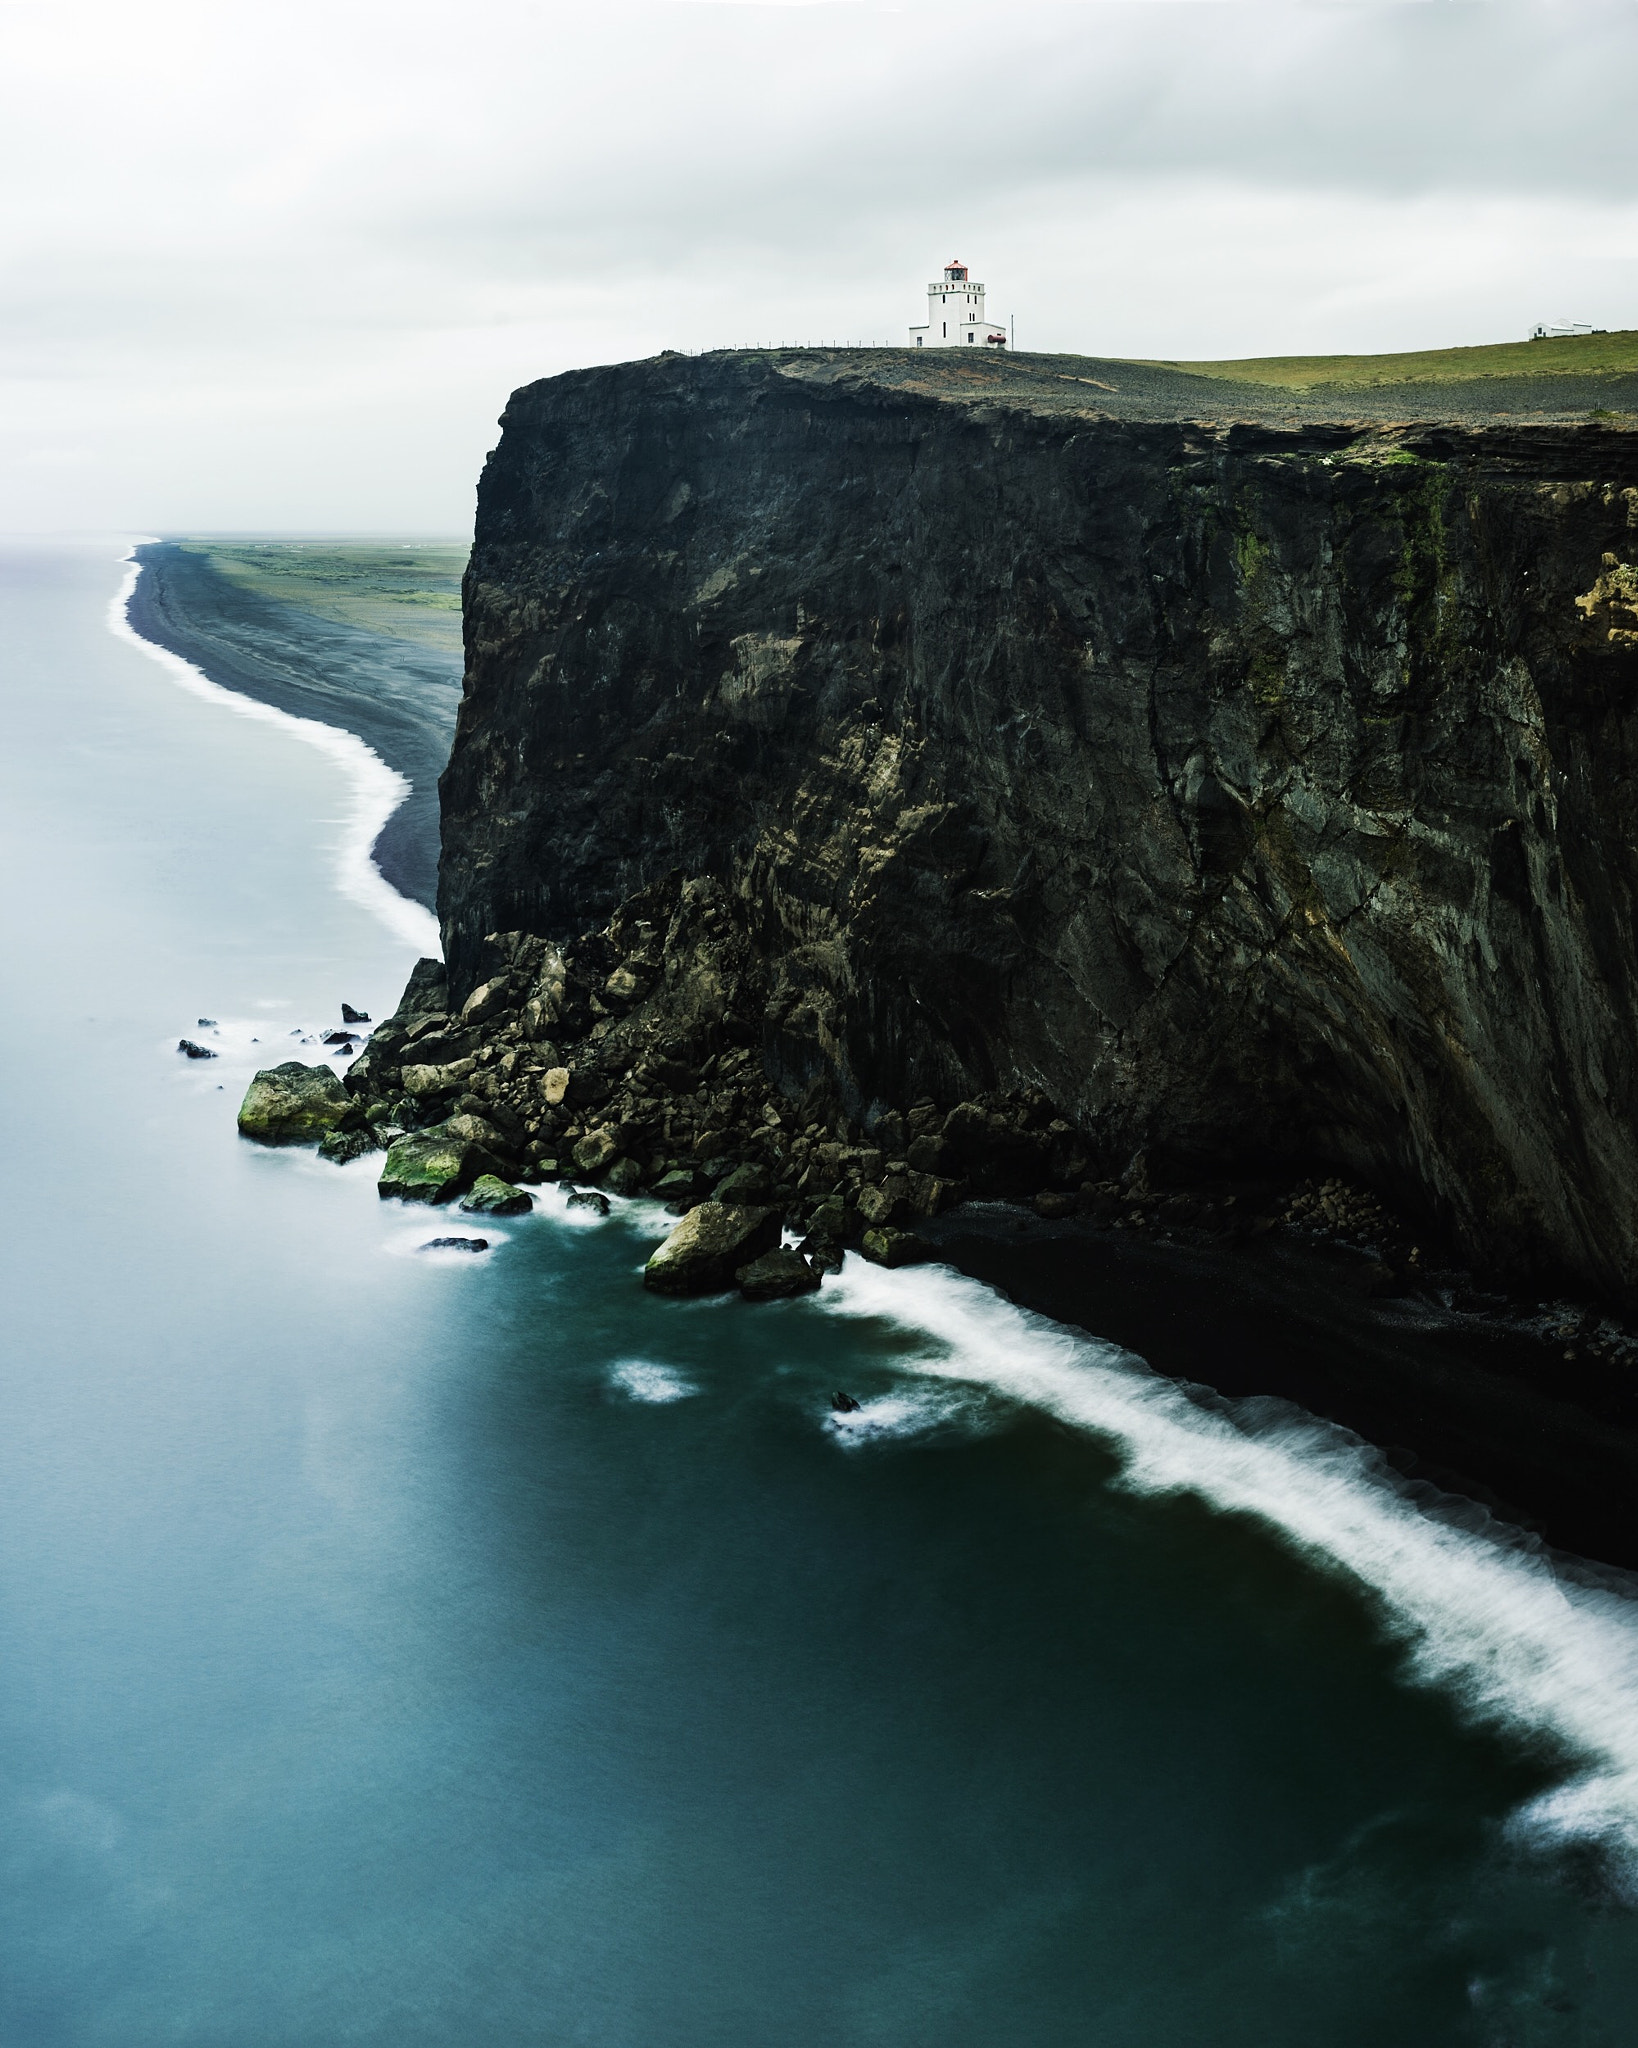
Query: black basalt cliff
{"type": "Point", "coordinates": [1220, 791]}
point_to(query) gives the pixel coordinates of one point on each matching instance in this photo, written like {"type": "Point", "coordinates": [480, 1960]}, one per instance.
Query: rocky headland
{"type": "Point", "coordinates": [882, 786]}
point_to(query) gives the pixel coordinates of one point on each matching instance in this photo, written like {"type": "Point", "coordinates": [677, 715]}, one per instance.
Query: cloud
{"type": "Point", "coordinates": [281, 267]}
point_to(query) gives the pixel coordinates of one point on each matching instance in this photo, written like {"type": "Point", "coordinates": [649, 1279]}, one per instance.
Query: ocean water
{"type": "Point", "coordinates": [404, 1647]}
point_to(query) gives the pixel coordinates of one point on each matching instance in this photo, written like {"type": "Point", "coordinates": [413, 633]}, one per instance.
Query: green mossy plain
{"type": "Point", "coordinates": [408, 590]}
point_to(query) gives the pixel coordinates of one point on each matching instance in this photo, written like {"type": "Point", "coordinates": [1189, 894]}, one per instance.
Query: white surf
{"type": "Point", "coordinates": [376, 789]}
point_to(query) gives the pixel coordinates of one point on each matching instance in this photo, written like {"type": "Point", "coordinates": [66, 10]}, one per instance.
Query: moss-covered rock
{"type": "Point", "coordinates": [489, 1195]}
{"type": "Point", "coordinates": [340, 1146]}
{"type": "Point", "coordinates": [292, 1105]}
{"type": "Point", "coordinates": [896, 1248]}
{"type": "Point", "coordinates": [704, 1253]}
{"type": "Point", "coordinates": [428, 1166]}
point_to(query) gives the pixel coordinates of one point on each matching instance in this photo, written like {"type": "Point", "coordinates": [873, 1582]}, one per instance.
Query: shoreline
{"type": "Point", "coordinates": [1472, 1401]}
{"type": "Point", "coordinates": [393, 698]}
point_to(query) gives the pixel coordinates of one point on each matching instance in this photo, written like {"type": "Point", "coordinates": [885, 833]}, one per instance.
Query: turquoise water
{"type": "Point", "coordinates": [409, 1649]}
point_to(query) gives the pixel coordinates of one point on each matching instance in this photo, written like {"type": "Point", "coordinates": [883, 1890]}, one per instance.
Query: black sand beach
{"type": "Point", "coordinates": [398, 697]}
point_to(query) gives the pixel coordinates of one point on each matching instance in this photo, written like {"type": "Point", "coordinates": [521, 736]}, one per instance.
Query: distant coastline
{"type": "Point", "coordinates": [398, 695]}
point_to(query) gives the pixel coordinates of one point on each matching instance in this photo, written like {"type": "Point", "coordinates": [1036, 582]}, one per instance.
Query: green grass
{"type": "Point", "coordinates": [1580, 355]}
{"type": "Point", "coordinates": [409, 591]}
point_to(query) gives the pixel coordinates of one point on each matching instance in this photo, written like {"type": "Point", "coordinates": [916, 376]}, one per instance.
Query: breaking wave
{"type": "Point", "coordinates": [1521, 1640]}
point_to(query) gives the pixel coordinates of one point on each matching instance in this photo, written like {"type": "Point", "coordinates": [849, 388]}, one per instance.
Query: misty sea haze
{"type": "Point", "coordinates": [405, 1648]}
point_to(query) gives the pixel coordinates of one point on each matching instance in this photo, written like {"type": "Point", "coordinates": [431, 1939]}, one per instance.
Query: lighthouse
{"type": "Point", "coordinates": [955, 315]}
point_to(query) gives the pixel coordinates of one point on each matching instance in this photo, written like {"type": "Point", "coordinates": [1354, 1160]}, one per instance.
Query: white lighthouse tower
{"type": "Point", "coordinates": [955, 315]}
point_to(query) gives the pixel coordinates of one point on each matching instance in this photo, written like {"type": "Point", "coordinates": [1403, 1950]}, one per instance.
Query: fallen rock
{"type": "Point", "coordinates": [292, 1105]}
{"type": "Point", "coordinates": [823, 1252]}
{"type": "Point", "coordinates": [455, 1244]}
{"type": "Point", "coordinates": [896, 1248]}
{"type": "Point", "coordinates": [776, 1276]}
{"type": "Point", "coordinates": [489, 1195]}
{"type": "Point", "coordinates": [194, 1052]}
{"type": "Point", "coordinates": [554, 1085]}
{"type": "Point", "coordinates": [427, 1166]}
{"type": "Point", "coordinates": [709, 1246]}
{"type": "Point", "coordinates": [588, 1198]}
{"type": "Point", "coordinates": [485, 1001]}
{"type": "Point", "coordinates": [351, 1016]}
{"type": "Point", "coordinates": [681, 1184]}
{"type": "Point", "coordinates": [747, 1185]}
{"type": "Point", "coordinates": [340, 1146]}
{"type": "Point", "coordinates": [437, 1080]}
{"type": "Point", "coordinates": [597, 1150]}
{"type": "Point", "coordinates": [624, 1177]}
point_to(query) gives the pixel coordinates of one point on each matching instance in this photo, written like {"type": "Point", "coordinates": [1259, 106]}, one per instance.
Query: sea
{"type": "Point", "coordinates": [414, 1648]}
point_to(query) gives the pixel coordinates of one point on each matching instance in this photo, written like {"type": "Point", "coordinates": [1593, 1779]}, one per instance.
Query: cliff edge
{"type": "Point", "coordinates": [1219, 789]}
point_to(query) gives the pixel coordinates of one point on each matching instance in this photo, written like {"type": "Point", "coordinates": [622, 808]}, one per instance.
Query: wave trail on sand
{"type": "Point", "coordinates": [1522, 1642]}
{"type": "Point", "coordinates": [377, 790]}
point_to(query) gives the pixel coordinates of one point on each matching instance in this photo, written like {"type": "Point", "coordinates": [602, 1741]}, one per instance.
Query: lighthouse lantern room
{"type": "Point", "coordinates": [955, 315]}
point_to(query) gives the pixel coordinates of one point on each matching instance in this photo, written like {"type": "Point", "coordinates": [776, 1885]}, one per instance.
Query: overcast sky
{"type": "Point", "coordinates": [278, 267]}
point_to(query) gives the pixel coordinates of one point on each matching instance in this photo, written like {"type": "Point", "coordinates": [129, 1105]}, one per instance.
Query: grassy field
{"type": "Point", "coordinates": [409, 590]}
{"type": "Point", "coordinates": [1580, 355]}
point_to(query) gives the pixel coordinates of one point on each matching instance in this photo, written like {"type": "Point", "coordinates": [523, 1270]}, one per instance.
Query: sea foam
{"type": "Point", "coordinates": [377, 790]}
{"type": "Point", "coordinates": [1520, 1640]}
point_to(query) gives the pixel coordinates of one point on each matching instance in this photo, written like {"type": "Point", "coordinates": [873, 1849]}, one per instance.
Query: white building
{"type": "Point", "coordinates": [955, 315]}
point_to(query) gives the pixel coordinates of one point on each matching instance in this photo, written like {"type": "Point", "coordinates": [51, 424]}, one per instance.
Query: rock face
{"type": "Point", "coordinates": [1022, 791]}
{"type": "Point", "coordinates": [709, 1247]}
{"type": "Point", "coordinates": [292, 1105]}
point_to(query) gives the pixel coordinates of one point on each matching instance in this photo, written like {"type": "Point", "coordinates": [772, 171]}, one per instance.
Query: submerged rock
{"type": "Point", "coordinates": [489, 1195]}
{"type": "Point", "coordinates": [777, 1275]}
{"type": "Point", "coordinates": [194, 1052]}
{"type": "Point", "coordinates": [455, 1244]}
{"type": "Point", "coordinates": [709, 1246]}
{"type": "Point", "coordinates": [292, 1105]}
{"type": "Point", "coordinates": [428, 1166]}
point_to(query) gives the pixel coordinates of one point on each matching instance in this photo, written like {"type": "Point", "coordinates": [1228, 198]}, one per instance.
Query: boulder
{"type": "Point", "coordinates": [597, 1149]}
{"type": "Point", "coordinates": [708, 1247]}
{"type": "Point", "coordinates": [624, 1177]}
{"type": "Point", "coordinates": [475, 1130]}
{"type": "Point", "coordinates": [455, 1244]}
{"type": "Point", "coordinates": [428, 1166]}
{"type": "Point", "coordinates": [896, 1248]}
{"type": "Point", "coordinates": [484, 1002]}
{"type": "Point", "coordinates": [681, 1184]}
{"type": "Point", "coordinates": [194, 1052]}
{"type": "Point", "coordinates": [292, 1105]}
{"type": "Point", "coordinates": [746, 1186]}
{"type": "Point", "coordinates": [1052, 1205]}
{"type": "Point", "coordinates": [436, 1080]}
{"type": "Point", "coordinates": [776, 1276]}
{"type": "Point", "coordinates": [489, 1195]}
{"type": "Point", "coordinates": [588, 1198]}
{"type": "Point", "coordinates": [351, 1016]}
{"type": "Point", "coordinates": [340, 1146]}
{"type": "Point", "coordinates": [886, 1206]}
{"type": "Point", "coordinates": [554, 1085]}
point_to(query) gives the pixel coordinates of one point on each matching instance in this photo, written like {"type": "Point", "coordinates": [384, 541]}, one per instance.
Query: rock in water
{"type": "Point", "coordinates": [489, 1195]}
{"type": "Point", "coordinates": [777, 1275]}
{"type": "Point", "coordinates": [194, 1052]}
{"type": "Point", "coordinates": [588, 1198]}
{"type": "Point", "coordinates": [709, 1246]}
{"type": "Point", "coordinates": [896, 1248]}
{"type": "Point", "coordinates": [351, 1016]}
{"type": "Point", "coordinates": [455, 1244]}
{"type": "Point", "coordinates": [340, 1146]}
{"type": "Point", "coordinates": [292, 1105]}
{"type": "Point", "coordinates": [427, 1166]}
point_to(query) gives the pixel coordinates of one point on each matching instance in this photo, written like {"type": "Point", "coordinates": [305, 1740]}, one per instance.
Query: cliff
{"type": "Point", "coordinates": [1220, 791]}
